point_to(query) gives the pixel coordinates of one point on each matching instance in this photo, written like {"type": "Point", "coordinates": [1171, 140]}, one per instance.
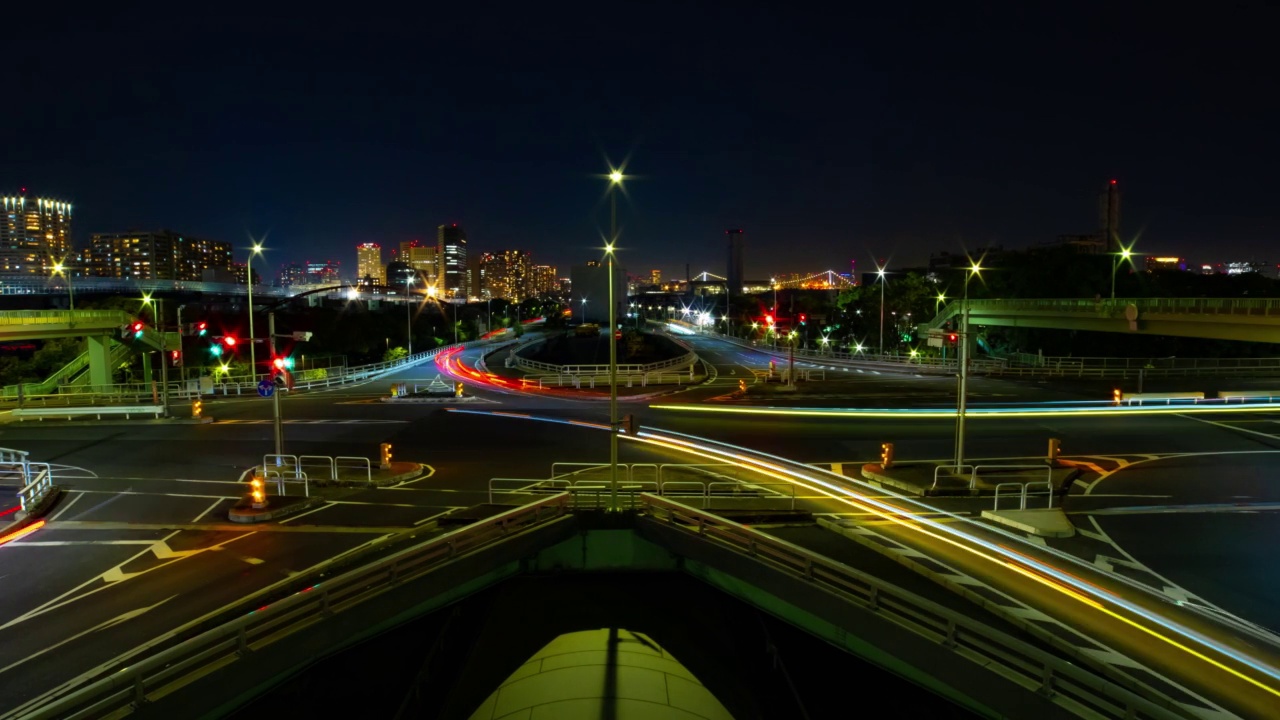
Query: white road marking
{"type": "Point", "coordinates": [66, 507]}
{"type": "Point", "coordinates": [100, 626]}
{"type": "Point", "coordinates": [291, 518]}
{"type": "Point", "coordinates": [207, 510]}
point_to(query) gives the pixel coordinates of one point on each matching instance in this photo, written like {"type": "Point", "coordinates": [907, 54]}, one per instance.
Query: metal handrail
{"type": "Point", "coordinates": [937, 473]}
{"type": "Point", "coordinates": [265, 625]}
{"type": "Point", "coordinates": [977, 469]}
{"type": "Point", "coordinates": [997, 651]}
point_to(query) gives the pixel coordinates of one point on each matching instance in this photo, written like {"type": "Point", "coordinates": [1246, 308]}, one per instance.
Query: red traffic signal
{"type": "Point", "coordinates": [952, 337]}
{"type": "Point", "coordinates": [137, 327]}
{"type": "Point", "coordinates": [230, 340]}
{"type": "Point", "coordinates": [278, 363]}
{"type": "Point", "coordinates": [802, 317]}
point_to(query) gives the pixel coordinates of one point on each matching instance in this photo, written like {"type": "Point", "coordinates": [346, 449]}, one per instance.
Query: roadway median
{"type": "Point", "coordinates": [286, 502]}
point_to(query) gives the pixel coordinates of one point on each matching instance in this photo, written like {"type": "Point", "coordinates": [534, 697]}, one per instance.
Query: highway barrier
{"type": "Point", "coordinates": [70, 412]}
{"type": "Point", "coordinates": [1168, 397]}
{"type": "Point", "coordinates": [130, 686]}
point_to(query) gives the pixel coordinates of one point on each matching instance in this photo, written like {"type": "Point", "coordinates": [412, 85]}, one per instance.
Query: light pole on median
{"type": "Point", "coordinates": [64, 271]}
{"type": "Point", "coordinates": [248, 266]}
{"type": "Point", "coordinates": [615, 179]}
{"type": "Point", "coordinates": [963, 378]}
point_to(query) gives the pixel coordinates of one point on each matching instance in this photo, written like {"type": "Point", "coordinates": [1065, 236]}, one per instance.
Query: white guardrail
{"type": "Point", "coordinates": [995, 651]}
{"type": "Point", "coordinates": [130, 686]}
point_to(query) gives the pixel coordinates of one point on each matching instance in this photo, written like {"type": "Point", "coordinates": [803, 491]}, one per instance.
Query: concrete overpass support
{"type": "Point", "coordinates": [100, 370]}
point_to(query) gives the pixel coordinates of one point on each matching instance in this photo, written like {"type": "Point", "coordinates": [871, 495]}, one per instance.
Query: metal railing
{"type": "Point", "coordinates": [1022, 493]}
{"type": "Point", "coordinates": [1011, 658]}
{"type": "Point", "coordinates": [97, 411]}
{"type": "Point", "coordinates": [585, 370]}
{"type": "Point", "coordinates": [130, 686]}
{"type": "Point", "coordinates": [952, 470]}
{"type": "Point", "coordinates": [1014, 470]}
{"type": "Point", "coordinates": [35, 491]}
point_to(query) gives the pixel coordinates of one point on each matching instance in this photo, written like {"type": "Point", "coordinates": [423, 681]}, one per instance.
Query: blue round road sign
{"type": "Point", "coordinates": [266, 388]}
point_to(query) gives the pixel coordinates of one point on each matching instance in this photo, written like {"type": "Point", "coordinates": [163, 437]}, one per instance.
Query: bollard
{"type": "Point", "coordinates": [1055, 449]}
{"type": "Point", "coordinates": [384, 459]}
{"type": "Point", "coordinates": [197, 409]}
{"type": "Point", "coordinates": [257, 493]}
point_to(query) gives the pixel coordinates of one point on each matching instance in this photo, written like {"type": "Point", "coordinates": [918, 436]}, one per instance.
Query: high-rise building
{"type": "Point", "coordinates": [156, 255]}
{"type": "Point", "coordinates": [655, 277]}
{"type": "Point", "coordinates": [369, 263]}
{"type": "Point", "coordinates": [543, 281]}
{"type": "Point", "coordinates": [1109, 217]}
{"type": "Point", "coordinates": [35, 234]}
{"type": "Point", "coordinates": [422, 258]}
{"type": "Point", "coordinates": [324, 273]}
{"type": "Point", "coordinates": [454, 275]}
{"type": "Point", "coordinates": [735, 274]}
{"type": "Point", "coordinates": [291, 274]}
{"type": "Point", "coordinates": [506, 275]}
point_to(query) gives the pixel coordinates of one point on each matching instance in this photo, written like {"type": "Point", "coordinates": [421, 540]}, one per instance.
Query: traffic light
{"type": "Point", "coordinates": [230, 340]}
{"type": "Point", "coordinates": [768, 320]}
{"type": "Point", "coordinates": [215, 350]}
{"type": "Point", "coordinates": [137, 327]}
{"type": "Point", "coordinates": [803, 318]}
{"type": "Point", "coordinates": [176, 357]}
{"type": "Point", "coordinates": [886, 456]}
{"type": "Point", "coordinates": [278, 363]}
{"type": "Point", "coordinates": [384, 457]}
{"type": "Point", "coordinates": [202, 328]}
{"type": "Point", "coordinates": [952, 338]}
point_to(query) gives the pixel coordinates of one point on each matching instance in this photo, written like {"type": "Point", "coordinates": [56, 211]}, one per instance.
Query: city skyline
{"type": "Point", "coordinates": [908, 142]}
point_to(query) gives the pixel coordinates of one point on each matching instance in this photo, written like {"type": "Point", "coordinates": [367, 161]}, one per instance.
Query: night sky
{"type": "Point", "coordinates": [884, 132]}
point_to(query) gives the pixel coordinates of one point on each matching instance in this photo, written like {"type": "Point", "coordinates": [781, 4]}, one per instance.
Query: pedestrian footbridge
{"type": "Point", "coordinates": [1251, 320]}
{"type": "Point", "coordinates": [101, 328]}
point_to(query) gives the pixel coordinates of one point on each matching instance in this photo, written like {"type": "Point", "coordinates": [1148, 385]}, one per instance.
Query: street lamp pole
{"type": "Point", "coordinates": [963, 378]}
{"type": "Point", "coordinates": [248, 266]}
{"type": "Point", "coordinates": [1115, 264]}
{"type": "Point", "coordinates": [408, 311]}
{"type": "Point", "coordinates": [880, 273]}
{"type": "Point", "coordinates": [615, 177]}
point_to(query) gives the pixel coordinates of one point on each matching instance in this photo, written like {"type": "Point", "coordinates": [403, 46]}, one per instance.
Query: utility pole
{"type": "Point", "coordinates": [275, 395]}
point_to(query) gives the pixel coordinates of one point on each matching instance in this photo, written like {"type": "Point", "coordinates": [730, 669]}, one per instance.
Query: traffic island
{"type": "Point", "coordinates": [1047, 522]}
{"type": "Point", "coordinates": [276, 507]}
{"type": "Point", "coordinates": [397, 472]}
{"type": "Point", "coordinates": [936, 479]}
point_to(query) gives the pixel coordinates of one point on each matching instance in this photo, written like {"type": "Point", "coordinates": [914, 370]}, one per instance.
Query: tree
{"type": "Point", "coordinates": [395, 353]}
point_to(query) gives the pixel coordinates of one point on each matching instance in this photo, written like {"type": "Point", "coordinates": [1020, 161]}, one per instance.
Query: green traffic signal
{"type": "Point", "coordinates": [216, 350]}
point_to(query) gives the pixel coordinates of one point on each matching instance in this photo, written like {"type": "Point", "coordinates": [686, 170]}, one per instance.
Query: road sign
{"type": "Point", "coordinates": [266, 388]}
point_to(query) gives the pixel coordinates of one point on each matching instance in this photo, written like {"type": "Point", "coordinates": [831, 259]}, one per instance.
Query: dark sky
{"type": "Point", "coordinates": [829, 136]}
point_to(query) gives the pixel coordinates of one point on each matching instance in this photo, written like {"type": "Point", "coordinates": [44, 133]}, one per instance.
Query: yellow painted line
{"type": "Point", "coordinates": [984, 413]}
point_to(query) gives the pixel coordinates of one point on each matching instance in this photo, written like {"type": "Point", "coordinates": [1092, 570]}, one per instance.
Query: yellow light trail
{"type": "Point", "coordinates": [909, 413]}
{"type": "Point", "coordinates": [902, 517]}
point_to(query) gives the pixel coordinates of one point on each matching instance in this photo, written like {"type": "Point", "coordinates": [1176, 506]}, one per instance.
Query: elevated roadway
{"type": "Point", "coordinates": [1250, 320]}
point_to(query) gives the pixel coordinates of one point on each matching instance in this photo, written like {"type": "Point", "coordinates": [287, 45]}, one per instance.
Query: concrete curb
{"type": "Point", "coordinates": [427, 400]}
{"type": "Point", "coordinates": [415, 470]}
{"type": "Point", "coordinates": [9, 419]}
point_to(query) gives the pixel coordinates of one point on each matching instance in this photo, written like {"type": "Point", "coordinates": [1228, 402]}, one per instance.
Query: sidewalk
{"type": "Point", "coordinates": [279, 506]}
{"type": "Point", "coordinates": [925, 480]}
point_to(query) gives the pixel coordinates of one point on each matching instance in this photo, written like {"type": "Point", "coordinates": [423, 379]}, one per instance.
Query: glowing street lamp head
{"type": "Point", "coordinates": [58, 267]}
{"type": "Point", "coordinates": [257, 248]}
{"type": "Point", "coordinates": [880, 273]}
{"type": "Point", "coordinates": [615, 177]}
{"type": "Point", "coordinates": [942, 296]}
{"type": "Point", "coordinates": [608, 248]}
{"type": "Point", "coordinates": [976, 269]}
{"type": "Point", "coordinates": [1126, 253]}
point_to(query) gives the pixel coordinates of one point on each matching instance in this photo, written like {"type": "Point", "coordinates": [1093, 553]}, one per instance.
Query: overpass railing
{"type": "Point", "coordinates": [1262, 307]}
{"type": "Point", "coordinates": [130, 686]}
{"type": "Point", "coordinates": [1009, 657]}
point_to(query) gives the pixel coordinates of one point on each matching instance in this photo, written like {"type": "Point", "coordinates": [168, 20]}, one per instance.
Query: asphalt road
{"type": "Point", "coordinates": [139, 545]}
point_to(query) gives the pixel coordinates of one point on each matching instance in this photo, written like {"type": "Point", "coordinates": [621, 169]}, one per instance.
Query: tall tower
{"type": "Point", "coordinates": [1109, 217]}
{"type": "Point", "coordinates": [735, 272]}
{"type": "Point", "coordinates": [451, 252]}
{"type": "Point", "coordinates": [35, 233]}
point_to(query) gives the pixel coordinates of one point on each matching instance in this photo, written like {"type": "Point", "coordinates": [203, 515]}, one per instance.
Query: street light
{"type": "Point", "coordinates": [942, 297]}
{"type": "Point", "coordinates": [64, 271]}
{"type": "Point", "coordinates": [248, 266]}
{"type": "Point", "coordinates": [880, 278]}
{"type": "Point", "coordinates": [584, 310]}
{"type": "Point", "coordinates": [408, 309]}
{"type": "Point", "coordinates": [1124, 255]}
{"type": "Point", "coordinates": [615, 180]}
{"type": "Point", "coordinates": [156, 320]}
{"type": "Point", "coordinates": [963, 380]}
